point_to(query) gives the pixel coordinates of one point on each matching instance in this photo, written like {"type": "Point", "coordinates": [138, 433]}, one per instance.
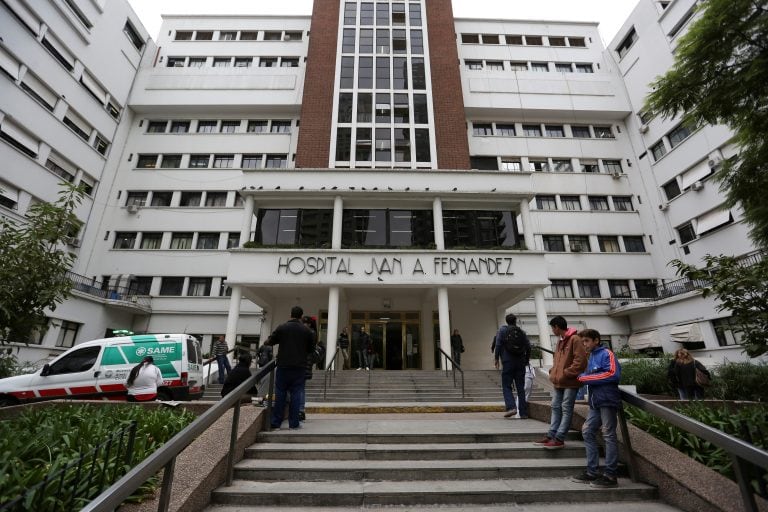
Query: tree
{"type": "Point", "coordinates": [740, 287]}
{"type": "Point", "coordinates": [34, 265]}
{"type": "Point", "coordinates": [720, 76]}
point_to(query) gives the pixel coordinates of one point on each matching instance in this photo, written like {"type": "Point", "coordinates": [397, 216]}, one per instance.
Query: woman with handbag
{"type": "Point", "coordinates": [688, 375]}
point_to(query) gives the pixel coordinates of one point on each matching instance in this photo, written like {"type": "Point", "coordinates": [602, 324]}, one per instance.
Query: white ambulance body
{"type": "Point", "coordinates": [98, 369]}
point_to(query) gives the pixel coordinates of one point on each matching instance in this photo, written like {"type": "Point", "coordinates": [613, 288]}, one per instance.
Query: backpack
{"type": "Point", "coordinates": [515, 341]}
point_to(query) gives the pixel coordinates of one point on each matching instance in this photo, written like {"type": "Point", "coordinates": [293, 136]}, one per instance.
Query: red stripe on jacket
{"type": "Point", "coordinates": [605, 375]}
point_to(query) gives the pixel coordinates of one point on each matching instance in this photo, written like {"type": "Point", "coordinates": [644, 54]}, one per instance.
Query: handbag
{"type": "Point", "coordinates": [702, 379]}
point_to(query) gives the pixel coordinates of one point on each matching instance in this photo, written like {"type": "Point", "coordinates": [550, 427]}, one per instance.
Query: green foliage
{"type": "Point", "coordinates": [720, 76]}
{"type": "Point", "coordinates": [741, 289]}
{"type": "Point", "coordinates": [33, 265]}
{"type": "Point", "coordinates": [746, 423]}
{"type": "Point", "coordinates": [649, 375]}
{"type": "Point", "coordinates": [740, 381]}
{"type": "Point", "coordinates": [42, 440]}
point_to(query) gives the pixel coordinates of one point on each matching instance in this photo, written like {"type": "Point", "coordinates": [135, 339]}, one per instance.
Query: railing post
{"type": "Point", "coordinates": [628, 445]}
{"type": "Point", "coordinates": [741, 470]}
{"type": "Point", "coordinates": [232, 443]}
{"type": "Point", "coordinates": [165, 490]}
{"type": "Point", "coordinates": [269, 399]}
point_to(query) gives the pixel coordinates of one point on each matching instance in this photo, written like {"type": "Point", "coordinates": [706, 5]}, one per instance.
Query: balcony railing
{"type": "Point", "coordinates": [110, 293]}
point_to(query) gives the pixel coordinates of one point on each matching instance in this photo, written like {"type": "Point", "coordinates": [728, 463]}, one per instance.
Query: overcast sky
{"type": "Point", "coordinates": [609, 13]}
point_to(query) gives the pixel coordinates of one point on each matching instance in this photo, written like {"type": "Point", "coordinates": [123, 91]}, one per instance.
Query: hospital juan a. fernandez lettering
{"type": "Point", "coordinates": [445, 266]}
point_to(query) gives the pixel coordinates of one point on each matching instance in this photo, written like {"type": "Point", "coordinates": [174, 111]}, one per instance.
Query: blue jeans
{"type": "Point", "coordinates": [605, 417]}
{"type": "Point", "coordinates": [514, 372]}
{"type": "Point", "coordinates": [562, 412]}
{"type": "Point", "coordinates": [224, 367]}
{"type": "Point", "coordinates": [287, 380]}
{"type": "Point", "coordinates": [694, 393]}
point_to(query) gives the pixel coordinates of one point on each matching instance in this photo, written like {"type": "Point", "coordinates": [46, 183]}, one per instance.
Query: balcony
{"type": "Point", "coordinates": [120, 297]}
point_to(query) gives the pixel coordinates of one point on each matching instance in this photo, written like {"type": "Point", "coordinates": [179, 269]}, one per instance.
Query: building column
{"type": "Point", "coordinates": [338, 216]}
{"type": "Point", "coordinates": [332, 333]}
{"type": "Point", "coordinates": [543, 323]}
{"type": "Point", "coordinates": [525, 217]}
{"type": "Point", "coordinates": [249, 206]}
{"type": "Point", "coordinates": [445, 325]}
{"type": "Point", "coordinates": [437, 215]}
{"type": "Point", "coordinates": [234, 315]}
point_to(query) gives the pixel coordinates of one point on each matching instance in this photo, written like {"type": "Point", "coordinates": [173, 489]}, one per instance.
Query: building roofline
{"type": "Point", "coordinates": [549, 22]}
{"type": "Point", "coordinates": [246, 16]}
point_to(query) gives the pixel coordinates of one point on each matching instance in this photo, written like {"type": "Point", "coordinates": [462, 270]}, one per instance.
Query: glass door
{"type": "Point", "coordinates": [395, 337]}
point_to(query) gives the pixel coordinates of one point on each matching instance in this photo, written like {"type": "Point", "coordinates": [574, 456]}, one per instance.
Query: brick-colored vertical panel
{"type": "Point", "coordinates": [447, 98]}
{"type": "Point", "coordinates": [313, 148]}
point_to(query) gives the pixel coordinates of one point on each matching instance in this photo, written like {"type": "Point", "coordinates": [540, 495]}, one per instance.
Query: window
{"type": "Point", "coordinates": [100, 144]}
{"type": "Point", "coordinates": [470, 38]}
{"type": "Point", "coordinates": [197, 62]}
{"type": "Point", "coordinates": [294, 35]}
{"type": "Point", "coordinates": [511, 165]}
{"type": "Point", "coordinates": [216, 199]}
{"type": "Point", "coordinates": [305, 228]}
{"type": "Point", "coordinates": [170, 162]}
{"type": "Point", "coordinates": [249, 35]}
{"type": "Point", "coordinates": [229, 126]}
{"type": "Point", "coordinates": [133, 36]}
{"type": "Point", "coordinates": [227, 36]}
{"type": "Point", "coordinates": [252, 162]}
{"type": "Point", "coordinates": [58, 51]}
{"type": "Point", "coordinates": [554, 243]}
{"type": "Point", "coordinates": [181, 241]}
{"type": "Point", "coordinates": [289, 62]}
{"type": "Point", "coordinates": [622, 203]}
{"type": "Point", "coordinates": [223, 161]}
{"type": "Point", "coordinates": [678, 135]}
{"type": "Point", "coordinates": [401, 112]}
{"type": "Point", "coordinates": [506, 130]}
{"type": "Point", "coordinates": [399, 41]}
{"type": "Point", "coordinates": [534, 40]}
{"type": "Point", "coordinates": [608, 243]}
{"type": "Point", "coordinates": [554, 130]}
{"type": "Point", "coordinates": [140, 285]}
{"type": "Point", "coordinates": [183, 35]}
{"type": "Point", "coordinates": [175, 62]}
{"type": "Point", "coordinates": [243, 62]}
{"type": "Point", "coordinates": [199, 161]}
{"type": "Point", "coordinates": [658, 150]}
{"type": "Point", "coordinates": [190, 198]}
{"type": "Point", "coordinates": [156, 126]}
{"type": "Point", "coordinates": [562, 165]}
{"type": "Point", "coordinates": [686, 233]}
{"type": "Point", "coordinates": [546, 203]}
{"type": "Point", "coordinates": [539, 66]}
{"type": "Point", "coordinates": [475, 228]}
{"type": "Point", "coordinates": [233, 240]}
{"type": "Point", "coordinates": [577, 42]}
{"type": "Point", "coordinates": [619, 289]}
{"type": "Point", "coordinates": [171, 286]}
{"type": "Point", "coordinates": [563, 67]}
{"type": "Point", "coordinates": [124, 240]}
{"type": "Point", "coordinates": [208, 241]}
{"type": "Point", "coordinates": [556, 41]}
{"type": "Point", "coordinates": [277, 161]}
{"type": "Point", "coordinates": [646, 288]}
{"type": "Point", "coordinates": [136, 199]}
{"type": "Point", "coordinates": [538, 165]}
{"type": "Point", "coordinates": [273, 36]}
{"type": "Point", "coordinates": [728, 332]}
{"type": "Point", "coordinates": [598, 203]}
{"type": "Point", "coordinates": [532, 130]}
{"type": "Point", "coordinates": [80, 360]}
{"type": "Point", "coordinates": [561, 289]}
{"type": "Point", "coordinates": [518, 66]}
{"type": "Point", "coordinates": [161, 198]}
{"type": "Point", "coordinates": [584, 68]}
{"type": "Point", "coordinates": [204, 35]}
{"type": "Point", "coordinates": [579, 243]}
{"type": "Point", "coordinates": [627, 43]}
{"type": "Point", "coordinates": [67, 175]}
{"type": "Point", "coordinates": [207, 126]}
{"type": "Point", "coordinates": [612, 166]}
{"type": "Point", "coordinates": [417, 42]}
{"type": "Point", "coordinates": [581, 132]}
{"type": "Point", "coordinates": [268, 62]}
{"type": "Point", "coordinates": [257, 126]}
{"type": "Point", "coordinates": [199, 287]}
{"type": "Point", "coordinates": [222, 62]}
{"type": "Point", "coordinates": [517, 40]}
{"type": "Point", "coordinates": [151, 241]}
{"type": "Point", "coordinates": [490, 39]}
{"type": "Point", "coordinates": [344, 144]}
{"type": "Point", "coordinates": [179, 126]}
{"type": "Point", "coordinates": [34, 86]}
{"type": "Point", "coordinates": [671, 189]}
{"type": "Point", "coordinates": [570, 203]}
{"type": "Point", "coordinates": [482, 129]}
{"type": "Point", "coordinates": [280, 127]}
{"type": "Point", "coordinates": [363, 146]}
{"type": "Point", "coordinates": [604, 132]}
{"type": "Point", "coordinates": [589, 166]}
{"type": "Point", "coordinates": [494, 65]}
{"type": "Point", "coordinates": [473, 64]}
{"type": "Point", "coordinates": [79, 127]}
{"type": "Point", "coordinates": [588, 288]}
{"type": "Point", "coordinates": [484, 163]}
{"type": "Point", "coordinates": [146, 162]}
{"type": "Point", "coordinates": [634, 244]}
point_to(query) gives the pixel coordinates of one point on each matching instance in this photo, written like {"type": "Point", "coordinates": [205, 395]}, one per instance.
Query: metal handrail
{"type": "Point", "coordinates": [210, 361]}
{"type": "Point", "coordinates": [165, 457]}
{"type": "Point", "coordinates": [96, 288]}
{"type": "Point", "coordinates": [330, 372]}
{"type": "Point", "coordinates": [454, 366]}
{"type": "Point", "coordinates": [740, 451]}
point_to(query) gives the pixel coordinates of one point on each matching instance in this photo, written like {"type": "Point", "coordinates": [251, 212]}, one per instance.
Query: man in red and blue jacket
{"type": "Point", "coordinates": [602, 378]}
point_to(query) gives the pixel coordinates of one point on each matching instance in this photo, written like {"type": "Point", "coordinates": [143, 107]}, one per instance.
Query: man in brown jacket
{"type": "Point", "coordinates": [569, 361]}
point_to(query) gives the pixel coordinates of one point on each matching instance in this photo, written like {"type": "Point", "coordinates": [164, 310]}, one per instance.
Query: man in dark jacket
{"type": "Point", "coordinates": [296, 342]}
{"type": "Point", "coordinates": [239, 374]}
{"type": "Point", "coordinates": [514, 364]}
{"type": "Point", "coordinates": [602, 377]}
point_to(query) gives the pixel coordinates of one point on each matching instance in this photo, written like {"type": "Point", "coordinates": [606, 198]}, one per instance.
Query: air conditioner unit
{"type": "Point", "coordinates": [616, 175]}
{"type": "Point", "coordinates": [715, 162]}
{"type": "Point", "coordinates": [663, 207]}
{"type": "Point", "coordinates": [697, 185]}
{"type": "Point", "coordinates": [132, 208]}
{"type": "Point", "coordinates": [643, 128]}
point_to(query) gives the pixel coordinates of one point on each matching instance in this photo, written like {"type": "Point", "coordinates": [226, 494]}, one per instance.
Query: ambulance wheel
{"type": "Point", "coordinates": [7, 401]}
{"type": "Point", "coordinates": [164, 396]}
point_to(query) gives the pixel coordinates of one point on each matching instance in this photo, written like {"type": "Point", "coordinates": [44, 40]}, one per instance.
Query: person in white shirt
{"type": "Point", "coordinates": [143, 381]}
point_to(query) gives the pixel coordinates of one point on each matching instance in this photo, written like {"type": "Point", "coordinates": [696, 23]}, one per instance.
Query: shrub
{"type": "Point", "coordinates": [649, 375]}
{"type": "Point", "coordinates": [740, 381]}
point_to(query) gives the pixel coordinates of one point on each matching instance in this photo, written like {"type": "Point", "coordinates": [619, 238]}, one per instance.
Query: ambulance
{"type": "Point", "coordinates": [98, 370]}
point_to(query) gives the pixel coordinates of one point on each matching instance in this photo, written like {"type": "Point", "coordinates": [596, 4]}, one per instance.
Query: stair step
{"type": "Point", "coordinates": [357, 493]}
{"type": "Point", "coordinates": [625, 506]}
{"type": "Point", "coordinates": [410, 438]}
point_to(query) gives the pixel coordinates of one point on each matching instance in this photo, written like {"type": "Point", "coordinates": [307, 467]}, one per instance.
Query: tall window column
{"type": "Point", "coordinates": [234, 315]}
{"type": "Point", "coordinates": [445, 325]}
{"type": "Point", "coordinates": [437, 213]}
{"type": "Point", "coordinates": [249, 206]}
{"type": "Point", "coordinates": [525, 216]}
{"type": "Point", "coordinates": [332, 332]}
{"type": "Point", "coordinates": [541, 320]}
{"type": "Point", "coordinates": [338, 216]}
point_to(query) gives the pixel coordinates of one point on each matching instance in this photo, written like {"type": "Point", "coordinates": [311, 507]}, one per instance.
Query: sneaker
{"type": "Point", "coordinates": [605, 481]}
{"type": "Point", "coordinates": [585, 478]}
{"type": "Point", "coordinates": [367, 368]}
{"type": "Point", "coordinates": [295, 428]}
{"type": "Point", "coordinates": [302, 416]}
{"type": "Point", "coordinates": [543, 441]}
{"type": "Point", "coordinates": [273, 428]}
{"type": "Point", "coordinates": [359, 369]}
{"type": "Point", "coordinates": [510, 413]}
{"type": "Point", "coordinates": [554, 444]}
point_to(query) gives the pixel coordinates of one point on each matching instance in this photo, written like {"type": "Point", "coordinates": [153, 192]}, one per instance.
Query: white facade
{"type": "Point", "coordinates": [205, 140]}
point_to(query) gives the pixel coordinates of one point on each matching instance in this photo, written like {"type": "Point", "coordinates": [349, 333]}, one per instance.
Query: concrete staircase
{"type": "Point", "coordinates": [212, 392]}
{"type": "Point", "coordinates": [412, 386]}
{"type": "Point", "coordinates": [417, 461]}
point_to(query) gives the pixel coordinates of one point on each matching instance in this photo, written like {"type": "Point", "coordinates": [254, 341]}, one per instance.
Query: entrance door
{"type": "Point", "coordinates": [394, 336]}
{"type": "Point", "coordinates": [394, 345]}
